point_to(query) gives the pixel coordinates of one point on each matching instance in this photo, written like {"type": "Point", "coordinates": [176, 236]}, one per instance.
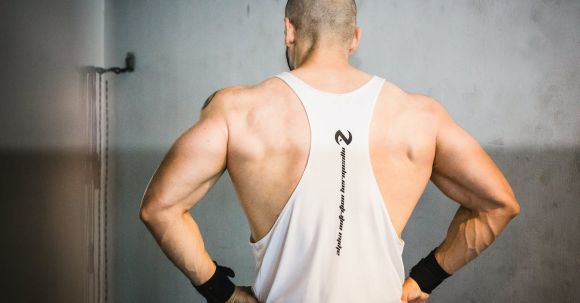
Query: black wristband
{"type": "Point", "coordinates": [219, 288]}
{"type": "Point", "coordinates": [428, 273]}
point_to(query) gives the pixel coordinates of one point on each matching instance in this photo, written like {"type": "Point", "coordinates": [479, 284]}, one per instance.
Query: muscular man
{"type": "Point", "coordinates": [328, 163]}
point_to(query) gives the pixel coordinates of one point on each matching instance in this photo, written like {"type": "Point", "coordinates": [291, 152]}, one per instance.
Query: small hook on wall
{"type": "Point", "coordinates": [129, 66]}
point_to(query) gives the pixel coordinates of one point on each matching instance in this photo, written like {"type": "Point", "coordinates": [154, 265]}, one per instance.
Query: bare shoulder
{"type": "Point", "coordinates": [414, 105]}
{"type": "Point", "coordinates": [237, 98]}
{"type": "Point", "coordinates": [425, 102]}
{"type": "Point", "coordinates": [221, 99]}
{"type": "Point", "coordinates": [429, 106]}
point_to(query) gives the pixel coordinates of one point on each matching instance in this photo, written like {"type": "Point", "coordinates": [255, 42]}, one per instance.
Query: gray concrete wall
{"type": "Point", "coordinates": [44, 253]}
{"type": "Point", "coordinates": [507, 71]}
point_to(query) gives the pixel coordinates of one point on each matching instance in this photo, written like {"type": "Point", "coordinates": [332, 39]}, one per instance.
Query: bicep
{"type": "Point", "coordinates": [464, 171]}
{"type": "Point", "coordinates": [192, 165]}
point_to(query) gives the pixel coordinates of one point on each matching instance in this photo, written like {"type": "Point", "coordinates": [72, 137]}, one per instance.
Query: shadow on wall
{"type": "Point", "coordinates": [44, 251]}
{"type": "Point", "coordinates": [534, 260]}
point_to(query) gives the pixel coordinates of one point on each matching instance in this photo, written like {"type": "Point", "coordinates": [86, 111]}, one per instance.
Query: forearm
{"type": "Point", "coordinates": [469, 233]}
{"type": "Point", "coordinates": [180, 239]}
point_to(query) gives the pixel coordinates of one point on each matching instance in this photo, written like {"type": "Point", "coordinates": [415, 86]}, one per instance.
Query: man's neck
{"type": "Point", "coordinates": [326, 59]}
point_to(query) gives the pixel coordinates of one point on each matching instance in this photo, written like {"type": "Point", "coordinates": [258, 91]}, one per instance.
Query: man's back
{"type": "Point", "coordinates": [303, 221]}
{"type": "Point", "coordinates": [269, 137]}
{"type": "Point", "coordinates": [261, 135]}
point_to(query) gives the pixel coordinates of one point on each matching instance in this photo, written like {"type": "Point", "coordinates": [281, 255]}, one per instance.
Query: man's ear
{"type": "Point", "coordinates": [355, 40]}
{"type": "Point", "coordinates": [289, 32]}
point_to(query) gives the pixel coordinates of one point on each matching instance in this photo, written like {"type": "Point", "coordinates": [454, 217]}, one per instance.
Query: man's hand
{"type": "Point", "coordinates": [412, 293]}
{"type": "Point", "coordinates": [243, 294]}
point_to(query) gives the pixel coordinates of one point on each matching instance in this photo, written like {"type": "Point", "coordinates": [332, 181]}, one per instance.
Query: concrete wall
{"type": "Point", "coordinates": [507, 71]}
{"type": "Point", "coordinates": [43, 146]}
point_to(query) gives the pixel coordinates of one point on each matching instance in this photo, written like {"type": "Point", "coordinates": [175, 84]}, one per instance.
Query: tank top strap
{"type": "Point", "coordinates": [348, 108]}
{"type": "Point", "coordinates": [300, 88]}
{"type": "Point", "coordinates": [368, 104]}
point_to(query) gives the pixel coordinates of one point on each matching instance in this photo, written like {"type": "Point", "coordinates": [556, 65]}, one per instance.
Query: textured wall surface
{"type": "Point", "coordinates": [507, 71]}
{"type": "Point", "coordinates": [43, 255]}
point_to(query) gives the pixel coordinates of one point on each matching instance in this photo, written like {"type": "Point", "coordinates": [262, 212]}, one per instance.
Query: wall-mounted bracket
{"type": "Point", "coordinates": [129, 66]}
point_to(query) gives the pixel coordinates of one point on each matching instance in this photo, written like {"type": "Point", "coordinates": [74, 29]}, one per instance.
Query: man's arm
{"type": "Point", "coordinates": [464, 172]}
{"type": "Point", "coordinates": [194, 163]}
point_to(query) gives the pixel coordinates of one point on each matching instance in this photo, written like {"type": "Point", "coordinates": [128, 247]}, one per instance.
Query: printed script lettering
{"type": "Point", "coordinates": [341, 207]}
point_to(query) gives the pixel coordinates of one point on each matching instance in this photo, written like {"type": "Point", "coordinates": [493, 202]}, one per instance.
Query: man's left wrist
{"type": "Point", "coordinates": [219, 288]}
{"type": "Point", "coordinates": [428, 273]}
{"type": "Point", "coordinates": [205, 273]}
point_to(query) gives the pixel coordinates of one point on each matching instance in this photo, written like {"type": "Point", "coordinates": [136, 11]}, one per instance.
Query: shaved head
{"type": "Point", "coordinates": [323, 21]}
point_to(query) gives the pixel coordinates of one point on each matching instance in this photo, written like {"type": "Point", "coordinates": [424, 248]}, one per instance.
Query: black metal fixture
{"type": "Point", "coordinates": [129, 66]}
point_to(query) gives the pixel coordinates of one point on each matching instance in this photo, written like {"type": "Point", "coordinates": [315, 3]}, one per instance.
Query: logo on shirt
{"type": "Point", "coordinates": [340, 137]}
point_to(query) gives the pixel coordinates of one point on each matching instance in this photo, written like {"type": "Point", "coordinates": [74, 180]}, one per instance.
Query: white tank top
{"type": "Point", "coordinates": [333, 240]}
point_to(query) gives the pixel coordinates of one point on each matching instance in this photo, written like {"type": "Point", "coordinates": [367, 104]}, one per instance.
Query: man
{"type": "Point", "coordinates": [328, 163]}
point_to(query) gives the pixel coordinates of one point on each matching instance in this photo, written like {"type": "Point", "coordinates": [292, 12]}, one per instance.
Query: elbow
{"type": "Point", "coordinates": [149, 207]}
{"type": "Point", "coordinates": [143, 215]}
{"type": "Point", "coordinates": [148, 211]}
{"type": "Point", "coordinates": [152, 212]}
{"type": "Point", "coordinates": [512, 208]}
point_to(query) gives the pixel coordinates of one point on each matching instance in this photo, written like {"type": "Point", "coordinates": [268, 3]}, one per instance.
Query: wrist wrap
{"type": "Point", "coordinates": [219, 288]}
{"type": "Point", "coordinates": [428, 273]}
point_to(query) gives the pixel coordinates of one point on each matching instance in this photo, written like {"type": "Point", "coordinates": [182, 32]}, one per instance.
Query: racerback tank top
{"type": "Point", "coordinates": [333, 240]}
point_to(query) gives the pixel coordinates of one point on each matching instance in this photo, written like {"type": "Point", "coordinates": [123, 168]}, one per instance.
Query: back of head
{"type": "Point", "coordinates": [323, 21]}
